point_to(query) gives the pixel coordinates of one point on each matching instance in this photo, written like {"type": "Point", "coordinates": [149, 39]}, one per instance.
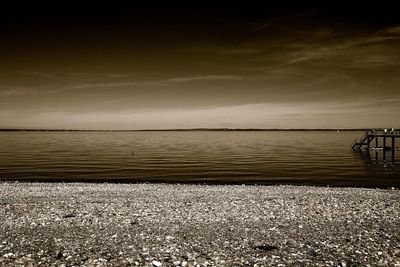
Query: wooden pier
{"type": "Point", "coordinates": [385, 141]}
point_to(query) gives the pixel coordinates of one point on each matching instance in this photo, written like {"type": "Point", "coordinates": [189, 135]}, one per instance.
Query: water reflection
{"type": "Point", "coordinates": [379, 165]}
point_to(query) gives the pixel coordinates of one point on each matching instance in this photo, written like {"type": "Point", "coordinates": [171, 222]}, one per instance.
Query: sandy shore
{"type": "Point", "coordinates": [197, 225]}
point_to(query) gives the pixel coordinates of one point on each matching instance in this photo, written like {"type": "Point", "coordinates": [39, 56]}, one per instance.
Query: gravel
{"type": "Point", "coordinates": [83, 224]}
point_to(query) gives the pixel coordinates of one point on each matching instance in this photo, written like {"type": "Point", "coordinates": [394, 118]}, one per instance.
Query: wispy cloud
{"type": "Point", "coordinates": [328, 114]}
{"type": "Point", "coordinates": [162, 82]}
{"type": "Point", "coordinates": [20, 91]}
{"type": "Point", "coordinates": [393, 30]}
{"type": "Point", "coordinates": [63, 74]}
{"type": "Point", "coordinates": [116, 84]}
{"type": "Point", "coordinates": [205, 78]}
{"type": "Point", "coordinates": [107, 81]}
{"type": "Point", "coordinates": [13, 92]}
{"type": "Point", "coordinates": [244, 50]}
{"type": "Point", "coordinates": [332, 53]}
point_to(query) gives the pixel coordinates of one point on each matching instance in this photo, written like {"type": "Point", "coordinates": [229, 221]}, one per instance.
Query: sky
{"type": "Point", "coordinates": [235, 64]}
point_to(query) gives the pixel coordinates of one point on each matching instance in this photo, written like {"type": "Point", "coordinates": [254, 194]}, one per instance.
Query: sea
{"type": "Point", "coordinates": [320, 158]}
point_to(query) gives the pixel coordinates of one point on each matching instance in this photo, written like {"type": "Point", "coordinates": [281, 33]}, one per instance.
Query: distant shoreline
{"type": "Point", "coordinates": [185, 130]}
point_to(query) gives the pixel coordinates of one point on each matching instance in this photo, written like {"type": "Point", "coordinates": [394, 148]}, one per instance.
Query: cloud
{"type": "Point", "coordinates": [328, 114]}
{"type": "Point", "coordinates": [115, 84]}
{"type": "Point", "coordinates": [85, 75]}
{"type": "Point", "coordinates": [14, 92]}
{"type": "Point", "coordinates": [228, 51]}
{"type": "Point", "coordinates": [19, 91]}
{"type": "Point", "coordinates": [393, 30]}
{"type": "Point", "coordinates": [205, 78]}
{"type": "Point", "coordinates": [163, 82]}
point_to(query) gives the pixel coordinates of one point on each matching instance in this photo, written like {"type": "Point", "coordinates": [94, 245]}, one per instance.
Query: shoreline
{"type": "Point", "coordinates": [147, 224]}
{"type": "Point", "coordinates": [159, 181]}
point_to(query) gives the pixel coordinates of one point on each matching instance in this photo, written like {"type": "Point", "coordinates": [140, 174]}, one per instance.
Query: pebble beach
{"type": "Point", "coordinates": [84, 224]}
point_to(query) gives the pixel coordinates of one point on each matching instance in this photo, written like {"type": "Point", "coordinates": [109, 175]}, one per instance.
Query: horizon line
{"type": "Point", "coordinates": [181, 129]}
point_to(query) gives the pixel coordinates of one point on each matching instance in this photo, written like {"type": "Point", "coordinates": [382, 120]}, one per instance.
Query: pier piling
{"type": "Point", "coordinates": [393, 148]}
{"type": "Point", "coordinates": [384, 148]}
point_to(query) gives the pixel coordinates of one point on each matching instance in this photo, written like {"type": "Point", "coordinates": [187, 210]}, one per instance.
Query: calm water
{"type": "Point", "coordinates": [194, 156]}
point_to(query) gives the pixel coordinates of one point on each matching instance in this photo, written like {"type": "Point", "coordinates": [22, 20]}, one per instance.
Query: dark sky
{"type": "Point", "coordinates": [237, 64]}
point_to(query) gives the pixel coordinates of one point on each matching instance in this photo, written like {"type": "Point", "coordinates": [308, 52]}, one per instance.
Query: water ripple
{"type": "Point", "coordinates": [251, 157]}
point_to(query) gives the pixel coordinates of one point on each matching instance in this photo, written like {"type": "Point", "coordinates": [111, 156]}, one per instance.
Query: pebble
{"type": "Point", "coordinates": [156, 263]}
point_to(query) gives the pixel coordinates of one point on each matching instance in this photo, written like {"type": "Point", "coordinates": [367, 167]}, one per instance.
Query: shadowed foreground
{"type": "Point", "coordinates": [197, 225]}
